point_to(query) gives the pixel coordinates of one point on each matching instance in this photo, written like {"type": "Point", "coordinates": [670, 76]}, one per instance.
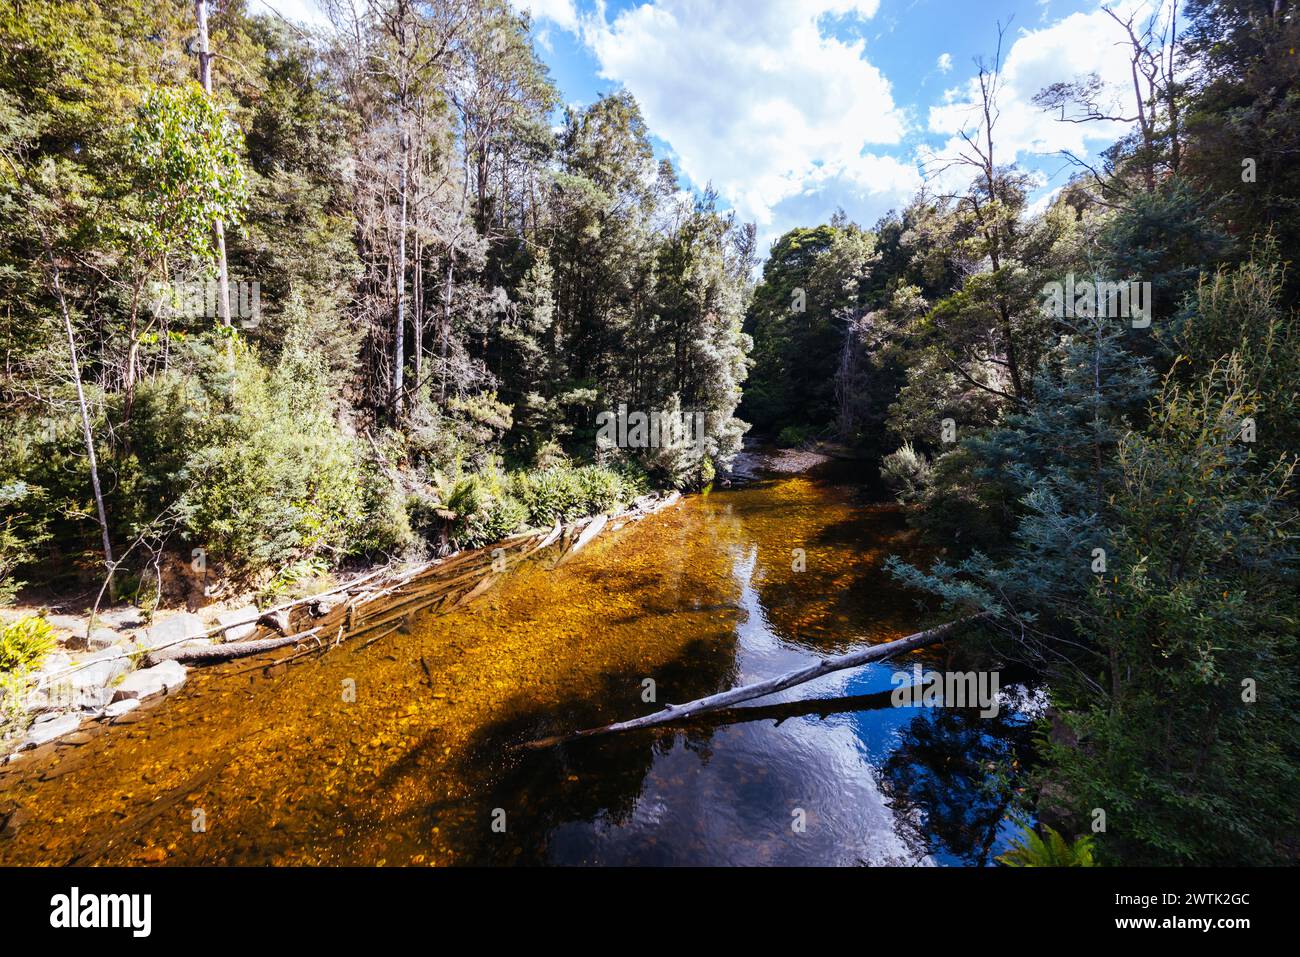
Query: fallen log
{"type": "Point", "coordinates": [678, 712]}
{"type": "Point", "coordinates": [588, 533]}
{"type": "Point", "coordinates": [551, 536]}
{"type": "Point", "coordinates": [477, 590]}
{"type": "Point", "coordinates": [238, 649]}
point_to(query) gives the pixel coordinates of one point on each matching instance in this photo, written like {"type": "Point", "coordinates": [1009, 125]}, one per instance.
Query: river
{"type": "Point", "coordinates": [404, 750]}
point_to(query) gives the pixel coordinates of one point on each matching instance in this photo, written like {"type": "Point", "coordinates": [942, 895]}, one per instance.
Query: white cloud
{"type": "Point", "coordinates": [755, 98]}
{"type": "Point", "coordinates": [1080, 44]}
{"type": "Point", "coordinates": [306, 12]}
{"type": "Point", "coordinates": [944, 63]}
{"type": "Point", "coordinates": [1040, 205]}
{"type": "Point", "coordinates": [562, 13]}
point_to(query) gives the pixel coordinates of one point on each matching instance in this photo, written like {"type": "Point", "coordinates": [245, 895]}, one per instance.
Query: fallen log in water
{"type": "Point", "coordinates": [591, 531]}
{"type": "Point", "coordinates": [677, 712]}
{"type": "Point", "coordinates": [238, 649]}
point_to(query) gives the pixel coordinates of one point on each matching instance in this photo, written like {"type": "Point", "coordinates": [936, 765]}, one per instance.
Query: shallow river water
{"type": "Point", "coordinates": [249, 765]}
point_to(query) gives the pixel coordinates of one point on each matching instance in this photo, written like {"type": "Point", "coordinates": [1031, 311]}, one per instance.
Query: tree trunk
{"type": "Point", "coordinates": [417, 304]}
{"type": "Point", "coordinates": [444, 334]}
{"type": "Point", "coordinates": [218, 229]}
{"type": "Point", "coordinates": [237, 649]}
{"type": "Point", "coordinates": [87, 434]}
{"type": "Point", "coordinates": [399, 330]}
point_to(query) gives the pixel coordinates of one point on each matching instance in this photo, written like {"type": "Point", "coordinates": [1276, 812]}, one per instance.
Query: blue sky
{"type": "Point", "coordinates": [794, 108]}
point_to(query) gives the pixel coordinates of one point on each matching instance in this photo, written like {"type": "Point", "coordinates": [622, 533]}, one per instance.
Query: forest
{"type": "Point", "coordinates": [279, 304]}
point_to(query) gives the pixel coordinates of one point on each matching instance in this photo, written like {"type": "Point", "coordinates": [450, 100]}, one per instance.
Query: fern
{"type": "Point", "coordinates": [1032, 851]}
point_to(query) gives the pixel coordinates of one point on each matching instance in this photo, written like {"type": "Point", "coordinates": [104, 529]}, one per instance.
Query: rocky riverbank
{"type": "Point", "coordinates": [108, 663]}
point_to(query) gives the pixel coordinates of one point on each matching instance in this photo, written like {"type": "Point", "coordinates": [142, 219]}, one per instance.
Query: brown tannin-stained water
{"type": "Point", "coordinates": [281, 769]}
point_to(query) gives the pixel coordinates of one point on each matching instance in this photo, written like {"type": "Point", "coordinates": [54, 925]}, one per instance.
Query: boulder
{"type": "Point", "coordinates": [121, 707]}
{"type": "Point", "coordinates": [46, 691]}
{"type": "Point", "coordinates": [101, 638]}
{"type": "Point", "coordinates": [44, 731]}
{"type": "Point", "coordinates": [239, 623]}
{"type": "Point", "coordinates": [148, 682]}
{"type": "Point", "coordinates": [89, 683]}
{"type": "Point", "coordinates": [70, 629]}
{"type": "Point", "coordinates": [123, 616]}
{"type": "Point", "coordinates": [181, 630]}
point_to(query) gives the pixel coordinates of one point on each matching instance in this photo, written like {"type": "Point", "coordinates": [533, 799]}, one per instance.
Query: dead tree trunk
{"type": "Point", "coordinates": [678, 712]}
{"type": "Point", "coordinates": [238, 649]}
{"type": "Point", "coordinates": [87, 433]}
{"type": "Point", "coordinates": [399, 330]}
{"type": "Point", "coordinates": [218, 229]}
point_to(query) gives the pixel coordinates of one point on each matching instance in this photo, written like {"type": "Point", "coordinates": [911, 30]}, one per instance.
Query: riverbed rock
{"type": "Point", "coordinates": [120, 707]}
{"type": "Point", "coordinates": [101, 638]}
{"type": "Point", "coordinates": [182, 630]}
{"type": "Point", "coordinates": [148, 682]}
{"type": "Point", "coordinates": [239, 623]}
{"type": "Point", "coordinates": [90, 684]}
{"type": "Point", "coordinates": [121, 617]}
{"type": "Point", "coordinates": [69, 629]}
{"type": "Point", "coordinates": [44, 731]}
{"type": "Point", "coordinates": [13, 821]}
{"type": "Point", "coordinates": [48, 685]}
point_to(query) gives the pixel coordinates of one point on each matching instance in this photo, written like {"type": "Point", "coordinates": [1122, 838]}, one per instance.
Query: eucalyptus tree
{"type": "Point", "coordinates": [187, 160]}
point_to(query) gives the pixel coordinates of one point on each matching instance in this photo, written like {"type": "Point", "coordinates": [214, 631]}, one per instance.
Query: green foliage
{"type": "Point", "coordinates": [812, 281]}
{"type": "Point", "coordinates": [22, 531]}
{"type": "Point", "coordinates": [907, 472]}
{"type": "Point", "coordinates": [301, 577]}
{"type": "Point", "coordinates": [1243, 103]}
{"type": "Point", "coordinates": [1164, 237]}
{"type": "Point", "coordinates": [565, 493]}
{"type": "Point", "coordinates": [187, 155]}
{"type": "Point", "coordinates": [470, 509]}
{"type": "Point", "coordinates": [254, 471]}
{"type": "Point", "coordinates": [1199, 607]}
{"type": "Point", "coordinates": [1242, 311]}
{"type": "Point", "coordinates": [24, 642]}
{"type": "Point", "coordinates": [1031, 850]}
{"type": "Point", "coordinates": [793, 435]}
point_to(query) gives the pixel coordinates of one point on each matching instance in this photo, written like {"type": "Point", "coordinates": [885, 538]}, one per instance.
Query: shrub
{"type": "Point", "coordinates": [24, 642]}
{"type": "Point", "coordinates": [793, 435]}
{"type": "Point", "coordinates": [306, 576]}
{"type": "Point", "coordinates": [384, 526]}
{"type": "Point", "coordinates": [1198, 609]}
{"type": "Point", "coordinates": [21, 531]}
{"type": "Point", "coordinates": [256, 469]}
{"type": "Point", "coordinates": [564, 493]}
{"type": "Point", "coordinates": [485, 510]}
{"type": "Point", "coordinates": [549, 495]}
{"type": "Point", "coordinates": [907, 472]}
